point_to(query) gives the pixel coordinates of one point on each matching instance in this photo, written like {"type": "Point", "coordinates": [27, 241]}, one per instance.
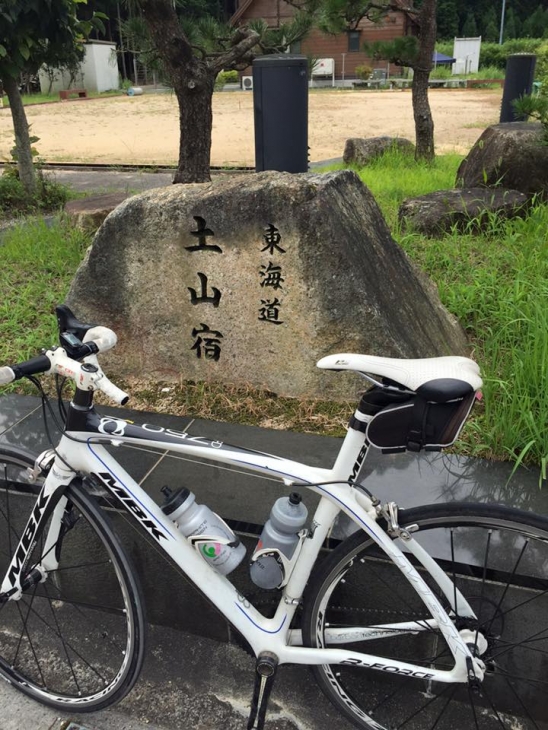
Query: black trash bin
{"type": "Point", "coordinates": [520, 74]}
{"type": "Point", "coordinates": [280, 98]}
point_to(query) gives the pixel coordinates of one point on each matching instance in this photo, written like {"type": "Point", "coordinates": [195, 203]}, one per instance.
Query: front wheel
{"type": "Point", "coordinates": [74, 640]}
{"type": "Point", "coordinates": [498, 558]}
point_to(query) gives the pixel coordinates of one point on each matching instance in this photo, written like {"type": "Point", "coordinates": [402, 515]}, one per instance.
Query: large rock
{"type": "Point", "coordinates": [467, 210]}
{"type": "Point", "coordinates": [253, 278]}
{"type": "Point", "coordinates": [362, 152]}
{"type": "Point", "coordinates": [513, 155]}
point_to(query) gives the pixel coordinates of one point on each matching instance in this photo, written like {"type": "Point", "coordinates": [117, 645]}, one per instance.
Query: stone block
{"type": "Point", "coordinates": [467, 210]}
{"type": "Point", "coordinates": [513, 155]}
{"type": "Point", "coordinates": [363, 151]}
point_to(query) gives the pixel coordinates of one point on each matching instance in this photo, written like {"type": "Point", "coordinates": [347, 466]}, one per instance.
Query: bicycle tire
{"type": "Point", "coordinates": [75, 641]}
{"type": "Point", "coordinates": [498, 557]}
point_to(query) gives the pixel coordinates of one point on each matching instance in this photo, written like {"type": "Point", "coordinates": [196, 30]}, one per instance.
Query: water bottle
{"type": "Point", "coordinates": [287, 517]}
{"type": "Point", "coordinates": [197, 519]}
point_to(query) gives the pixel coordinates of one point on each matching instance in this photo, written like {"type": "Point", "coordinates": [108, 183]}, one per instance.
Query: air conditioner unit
{"type": "Point", "coordinates": [247, 83]}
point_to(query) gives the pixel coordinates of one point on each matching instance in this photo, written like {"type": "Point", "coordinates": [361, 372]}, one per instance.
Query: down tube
{"type": "Point", "coordinates": [218, 589]}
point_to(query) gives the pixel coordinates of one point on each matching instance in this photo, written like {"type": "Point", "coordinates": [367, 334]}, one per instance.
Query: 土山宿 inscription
{"type": "Point", "coordinates": [251, 279]}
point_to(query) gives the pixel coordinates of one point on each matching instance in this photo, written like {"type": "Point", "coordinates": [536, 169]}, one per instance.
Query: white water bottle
{"type": "Point", "coordinates": [197, 519]}
{"type": "Point", "coordinates": [287, 518]}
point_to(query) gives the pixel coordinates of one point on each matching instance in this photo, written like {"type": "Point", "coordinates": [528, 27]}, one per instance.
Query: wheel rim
{"type": "Point", "coordinates": [503, 575]}
{"type": "Point", "coordinates": [68, 640]}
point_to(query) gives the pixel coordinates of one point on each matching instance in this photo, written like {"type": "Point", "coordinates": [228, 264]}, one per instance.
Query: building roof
{"type": "Point", "coordinates": [244, 4]}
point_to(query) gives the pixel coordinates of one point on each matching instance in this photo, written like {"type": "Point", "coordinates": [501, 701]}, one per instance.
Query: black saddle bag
{"type": "Point", "coordinates": [412, 422]}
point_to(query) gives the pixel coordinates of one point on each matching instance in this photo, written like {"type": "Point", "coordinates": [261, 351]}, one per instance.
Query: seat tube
{"type": "Point", "coordinates": [353, 451]}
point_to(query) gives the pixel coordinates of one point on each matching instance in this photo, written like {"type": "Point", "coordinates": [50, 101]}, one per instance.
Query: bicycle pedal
{"type": "Point", "coordinates": [265, 674]}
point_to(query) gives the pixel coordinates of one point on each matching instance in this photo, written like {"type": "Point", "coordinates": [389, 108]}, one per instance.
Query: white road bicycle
{"type": "Point", "coordinates": [432, 617]}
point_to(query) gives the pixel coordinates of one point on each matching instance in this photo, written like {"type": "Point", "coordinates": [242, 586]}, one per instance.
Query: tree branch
{"type": "Point", "coordinates": [242, 48]}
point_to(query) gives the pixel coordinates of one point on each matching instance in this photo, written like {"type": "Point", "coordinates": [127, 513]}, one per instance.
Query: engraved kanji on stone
{"type": "Point", "coordinates": [196, 298]}
{"type": "Point", "coordinates": [272, 238]}
{"type": "Point", "coordinates": [202, 235]}
{"type": "Point", "coordinates": [208, 343]}
{"type": "Point", "coordinates": [271, 275]}
{"type": "Point", "coordinates": [270, 311]}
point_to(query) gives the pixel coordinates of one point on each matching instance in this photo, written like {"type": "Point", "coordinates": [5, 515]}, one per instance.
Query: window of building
{"type": "Point", "coordinates": [295, 47]}
{"type": "Point", "coordinates": [353, 40]}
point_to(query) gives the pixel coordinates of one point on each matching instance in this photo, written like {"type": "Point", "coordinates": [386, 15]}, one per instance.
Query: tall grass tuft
{"type": "Point", "coordinates": [37, 264]}
{"type": "Point", "coordinates": [497, 285]}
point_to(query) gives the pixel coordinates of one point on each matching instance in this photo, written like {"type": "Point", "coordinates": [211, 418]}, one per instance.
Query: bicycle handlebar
{"type": "Point", "coordinates": [56, 361]}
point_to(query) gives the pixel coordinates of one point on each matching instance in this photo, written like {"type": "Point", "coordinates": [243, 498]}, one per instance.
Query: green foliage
{"type": "Point", "coordinates": [37, 264]}
{"type": "Point", "coordinates": [536, 25]}
{"type": "Point", "coordinates": [226, 77]}
{"type": "Point", "coordinates": [363, 72]}
{"type": "Point", "coordinates": [535, 107]}
{"type": "Point", "coordinates": [41, 32]}
{"type": "Point", "coordinates": [496, 283]}
{"type": "Point", "coordinates": [541, 68]}
{"type": "Point", "coordinates": [14, 200]}
{"type": "Point", "coordinates": [470, 28]}
{"type": "Point", "coordinates": [337, 16]}
{"type": "Point", "coordinates": [277, 40]}
{"type": "Point", "coordinates": [447, 20]}
{"type": "Point", "coordinates": [401, 51]}
{"type": "Point", "coordinates": [493, 54]}
{"type": "Point", "coordinates": [524, 18]}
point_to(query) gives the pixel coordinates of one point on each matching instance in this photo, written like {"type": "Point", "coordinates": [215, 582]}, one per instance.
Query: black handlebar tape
{"type": "Point", "coordinates": [39, 364]}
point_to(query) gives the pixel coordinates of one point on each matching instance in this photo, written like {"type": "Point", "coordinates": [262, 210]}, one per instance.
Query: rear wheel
{"type": "Point", "coordinates": [498, 558]}
{"type": "Point", "coordinates": [74, 640]}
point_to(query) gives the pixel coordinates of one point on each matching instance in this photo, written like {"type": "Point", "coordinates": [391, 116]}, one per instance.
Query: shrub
{"type": "Point", "coordinates": [49, 195]}
{"type": "Point", "coordinates": [541, 69]}
{"type": "Point", "coordinates": [363, 72]}
{"type": "Point", "coordinates": [226, 77]}
{"type": "Point", "coordinates": [493, 54]}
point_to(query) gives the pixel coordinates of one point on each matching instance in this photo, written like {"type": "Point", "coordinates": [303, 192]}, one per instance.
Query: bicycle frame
{"type": "Point", "coordinates": [82, 447]}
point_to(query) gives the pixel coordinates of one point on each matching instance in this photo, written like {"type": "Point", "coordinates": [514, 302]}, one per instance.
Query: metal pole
{"type": "Point", "coordinates": [343, 57]}
{"type": "Point", "coordinates": [502, 22]}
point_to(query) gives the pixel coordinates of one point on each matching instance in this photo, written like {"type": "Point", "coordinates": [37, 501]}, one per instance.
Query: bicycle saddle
{"type": "Point", "coordinates": [412, 374]}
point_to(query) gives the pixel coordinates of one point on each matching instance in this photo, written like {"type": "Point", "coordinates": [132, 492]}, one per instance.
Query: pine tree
{"type": "Point", "coordinates": [510, 25]}
{"type": "Point", "coordinates": [536, 25]}
{"type": "Point", "coordinates": [447, 19]}
{"type": "Point", "coordinates": [470, 28]}
{"type": "Point", "coordinates": [490, 28]}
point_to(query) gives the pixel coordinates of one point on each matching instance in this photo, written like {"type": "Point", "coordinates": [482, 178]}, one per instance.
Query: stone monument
{"type": "Point", "coordinates": [253, 278]}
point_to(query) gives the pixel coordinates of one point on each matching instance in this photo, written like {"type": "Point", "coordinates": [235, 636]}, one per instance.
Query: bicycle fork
{"type": "Point", "coordinates": [49, 503]}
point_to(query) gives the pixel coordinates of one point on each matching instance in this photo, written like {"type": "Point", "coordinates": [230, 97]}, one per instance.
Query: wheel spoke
{"type": "Point", "coordinates": [57, 643]}
{"type": "Point", "coordinates": [523, 707]}
{"type": "Point", "coordinates": [503, 556]}
{"type": "Point", "coordinates": [63, 643]}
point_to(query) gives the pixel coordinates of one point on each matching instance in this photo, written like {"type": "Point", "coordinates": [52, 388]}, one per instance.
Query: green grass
{"type": "Point", "coordinates": [394, 177]}
{"type": "Point", "coordinates": [496, 283]}
{"type": "Point", "coordinates": [37, 264]}
{"type": "Point", "coordinates": [38, 98]}
{"type": "Point", "coordinates": [14, 200]}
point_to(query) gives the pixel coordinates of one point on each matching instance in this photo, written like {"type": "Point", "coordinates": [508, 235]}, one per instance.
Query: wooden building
{"type": "Point", "coordinates": [344, 48]}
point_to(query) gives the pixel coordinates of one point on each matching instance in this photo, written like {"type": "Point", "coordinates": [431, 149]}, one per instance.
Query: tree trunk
{"type": "Point", "coordinates": [424, 124]}
{"type": "Point", "coordinates": [195, 98]}
{"type": "Point", "coordinates": [193, 83]}
{"type": "Point", "coordinates": [22, 138]}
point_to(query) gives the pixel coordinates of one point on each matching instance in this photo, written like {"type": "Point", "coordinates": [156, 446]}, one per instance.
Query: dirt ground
{"type": "Point", "coordinates": [144, 129]}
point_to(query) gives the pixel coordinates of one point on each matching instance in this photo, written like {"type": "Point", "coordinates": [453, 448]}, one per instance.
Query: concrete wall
{"type": "Point", "coordinates": [98, 71]}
